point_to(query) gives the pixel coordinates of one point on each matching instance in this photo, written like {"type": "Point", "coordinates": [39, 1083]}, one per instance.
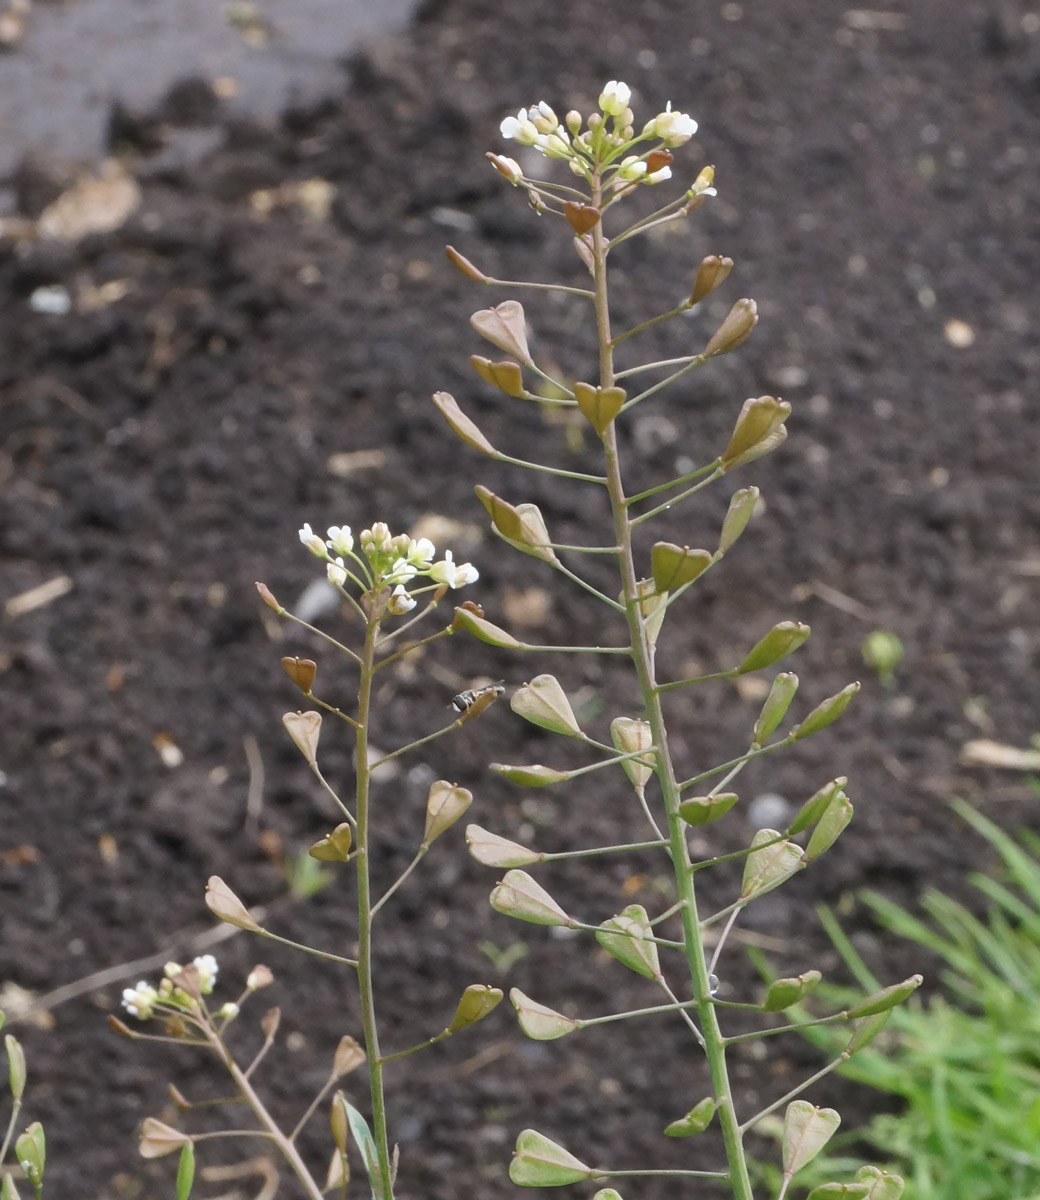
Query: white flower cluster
{"type": "Point", "coordinates": [386, 560]}
{"type": "Point", "coordinates": [140, 1001]}
{"type": "Point", "coordinates": [539, 127]}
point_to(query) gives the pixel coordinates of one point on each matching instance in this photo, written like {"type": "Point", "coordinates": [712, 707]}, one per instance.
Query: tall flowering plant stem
{"type": "Point", "coordinates": [610, 161]}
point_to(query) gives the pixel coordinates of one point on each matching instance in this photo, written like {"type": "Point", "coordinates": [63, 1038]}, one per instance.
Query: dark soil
{"type": "Point", "coordinates": [877, 180]}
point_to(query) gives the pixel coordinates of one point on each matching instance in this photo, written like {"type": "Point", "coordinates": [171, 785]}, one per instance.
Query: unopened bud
{"type": "Point", "coordinates": [630, 735]}
{"type": "Point", "coordinates": [783, 639]}
{"type": "Point", "coordinates": [494, 851]}
{"type": "Point", "coordinates": [673, 566]}
{"type": "Point", "coordinates": [573, 121]}
{"type": "Point", "coordinates": [477, 1001]}
{"type": "Point", "coordinates": [758, 430]}
{"type": "Point", "coordinates": [741, 510]}
{"type": "Point", "coordinates": [540, 1023]}
{"type": "Point", "coordinates": [504, 327]}
{"type": "Point", "coordinates": [775, 708]}
{"type": "Point", "coordinates": [700, 810]}
{"type": "Point", "coordinates": [506, 376]}
{"type": "Point", "coordinates": [736, 328]}
{"type": "Point", "coordinates": [445, 803]}
{"type": "Point", "coordinates": [517, 895]}
{"type": "Point", "coordinates": [463, 264]}
{"type": "Point", "coordinates": [260, 976]}
{"type": "Point", "coordinates": [304, 728]}
{"type": "Point", "coordinates": [599, 405]}
{"type": "Point", "coordinates": [544, 703]}
{"type": "Point", "coordinates": [223, 903]}
{"type": "Point", "coordinates": [301, 671]}
{"type": "Point", "coordinates": [461, 425]}
{"type": "Point", "coordinates": [713, 271]}
{"type": "Point", "coordinates": [823, 714]}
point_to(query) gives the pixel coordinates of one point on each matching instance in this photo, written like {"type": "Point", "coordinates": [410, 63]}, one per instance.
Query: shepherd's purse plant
{"type": "Point", "coordinates": [392, 587]}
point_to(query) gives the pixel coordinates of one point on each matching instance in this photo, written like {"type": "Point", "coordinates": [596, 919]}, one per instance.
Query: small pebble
{"type": "Point", "coordinates": [54, 300]}
{"type": "Point", "coordinates": [769, 811]}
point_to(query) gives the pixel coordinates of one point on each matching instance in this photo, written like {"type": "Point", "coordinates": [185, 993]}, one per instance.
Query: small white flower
{"type": "Point", "coordinates": [140, 1001]}
{"type": "Point", "coordinates": [541, 115]}
{"type": "Point", "coordinates": [400, 601]}
{"type": "Point", "coordinates": [454, 575]}
{"type": "Point", "coordinates": [673, 128]}
{"type": "Point", "coordinates": [631, 168]}
{"type": "Point", "coordinates": [554, 146]}
{"type": "Point", "coordinates": [341, 540]}
{"type": "Point", "coordinates": [520, 129]}
{"type": "Point", "coordinates": [259, 977]}
{"type": "Point", "coordinates": [336, 573]}
{"type": "Point", "coordinates": [313, 543]}
{"type": "Point", "coordinates": [206, 965]}
{"type": "Point", "coordinates": [659, 176]}
{"type": "Point", "coordinates": [421, 552]}
{"type": "Point", "coordinates": [229, 1010]}
{"type": "Point", "coordinates": [171, 969]}
{"type": "Point", "coordinates": [402, 571]}
{"type": "Point", "coordinates": [614, 98]}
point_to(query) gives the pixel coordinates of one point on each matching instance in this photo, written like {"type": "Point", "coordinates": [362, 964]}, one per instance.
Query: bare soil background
{"type": "Point", "coordinates": [161, 443]}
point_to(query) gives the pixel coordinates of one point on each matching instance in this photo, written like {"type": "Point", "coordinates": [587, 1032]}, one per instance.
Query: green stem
{"type": "Point", "coordinates": [643, 660]}
{"type": "Point", "coordinates": [382, 1188]}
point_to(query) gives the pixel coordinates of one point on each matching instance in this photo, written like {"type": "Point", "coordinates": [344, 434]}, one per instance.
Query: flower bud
{"type": "Point", "coordinates": [759, 430]}
{"type": "Point", "coordinates": [830, 826]}
{"type": "Point", "coordinates": [334, 846]}
{"type": "Point", "coordinates": [772, 860]}
{"type": "Point", "coordinates": [696, 1120]}
{"type": "Point", "coordinates": [673, 566]}
{"type": "Point", "coordinates": [517, 895]}
{"type": "Point", "coordinates": [506, 375]}
{"type": "Point", "coordinates": [626, 937]}
{"type": "Point", "coordinates": [713, 271]}
{"type": "Point", "coordinates": [304, 728]}
{"type": "Point", "coordinates": [260, 976]}
{"type": "Point", "coordinates": [223, 903]}
{"type": "Point", "coordinates": [477, 1001]}
{"type": "Point", "coordinates": [701, 810]}
{"type": "Point", "coordinates": [348, 1057]}
{"type": "Point", "coordinates": [484, 631]}
{"type": "Point", "coordinates": [494, 851]}
{"type": "Point", "coordinates": [504, 327]}
{"type": "Point", "coordinates": [461, 425]}
{"type": "Point", "coordinates": [445, 803]}
{"type": "Point", "coordinates": [544, 703]}
{"type": "Point", "coordinates": [158, 1139]}
{"type": "Point", "coordinates": [599, 405]}
{"type": "Point", "coordinates": [783, 639]}
{"type": "Point", "coordinates": [887, 998]}
{"type": "Point", "coordinates": [775, 708]}
{"type": "Point", "coordinates": [581, 217]}
{"type": "Point", "coordinates": [827, 712]}
{"type": "Point", "coordinates": [539, 1162]}
{"type": "Point", "coordinates": [301, 671]}
{"type": "Point", "coordinates": [540, 1023]}
{"type": "Point", "coordinates": [461, 262]}
{"type": "Point", "coordinates": [533, 776]}
{"type": "Point", "coordinates": [573, 122]}
{"type": "Point", "coordinates": [782, 993]}
{"type": "Point", "coordinates": [629, 735]}
{"type": "Point", "coordinates": [736, 328]}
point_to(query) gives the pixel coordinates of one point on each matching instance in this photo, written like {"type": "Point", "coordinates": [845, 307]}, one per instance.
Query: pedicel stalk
{"type": "Point", "coordinates": [609, 161]}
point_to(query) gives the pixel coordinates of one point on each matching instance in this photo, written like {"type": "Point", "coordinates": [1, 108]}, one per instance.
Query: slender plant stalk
{"type": "Point", "coordinates": [643, 660]}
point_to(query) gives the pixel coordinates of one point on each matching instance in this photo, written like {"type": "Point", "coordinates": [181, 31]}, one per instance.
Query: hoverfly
{"type": "Point", "coordinates": [473, 701]}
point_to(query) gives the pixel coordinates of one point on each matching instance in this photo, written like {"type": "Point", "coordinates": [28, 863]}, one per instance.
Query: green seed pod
{"type": "Point", "coordinates": [652, 608]}
{"type": "Point", "coordinates": [539, 1162]}
{"type": "Point", "coordinates": [445, 803]}
{"type": "Point", "coordinates": [186, 1171]}
{"type": "Point", "coordinates": [700, 810]}
{"type": "Point", "coordinates": [630, 735]}
{"type": "Point", "coordinates": [334, 846]}
{"type": "Point", "coordinates": [464, 265]}
{"type": "Point", "coordinates": [887, 998]}
{"type": "Point", "coordinates": [817, 805]}
{"type": "Point", "coordinates": [696, 1120]}
{"type": "Point", "coordinates": [758, 430]}
{"type": "Point", "coordinates": [807, 1129]}
{"type": "Point", "coordinates": [223, 903]}
{"type": "Point", "coordinates": [477, 1001]}
{"type": "Point", "coordinates": [533, 776]}
{"type": "Point", "coordinates": [462, 426]}
{"type": "Point", "coordinates": [783, 639]}
{"type": "Point", "coordinates": [772, 860]}
{"type": "Point", "coordinates": [736, 328]}
{"type": "Point", "coordinates": [880, 1184]}
{"type": "Point", "coordinates": [521, 525]}
{"type": "Point", "coordinates": [483, 630]}
{"type": "Point", "coordinates": [866, 1030]}
{"type": "Point", "coordinates": [830, 826]}
{"type": "Point", "coordinates": [741, 510]}
{"type": "Point", "coordinates": [338, 1121]}
{"type": "Point", "coordinates": [599, 405]}
{"type": "Point", "coordinates": [713, 271]}
{"type": "Point", "coordinates": [674, 566]}
{"type": "Point", "coordinates": [838, 1191]}
{"type": "Point", "coordinates": [625, 937]}
{"type": "Point", "coordinates": [782, 993]}
{"type": "Point", "coordinates": [15, 1066]}
{"type": "Point", "coordinates": [827, 712]}
{"type": "Point", "coordinates": [544, 703]}
{"type": "Point", "coordinates": [775, 708]}
{"type": "Point", "coordinates": [348, 1057]}
{"type": "Point", "coordinates": [540, 1023]}
{"type": "Point", "coordinates": [506, 376]}
{"type": "Point", "coordinates": [494, 851]}
{"type": "Point", "coordinates": [517, 895]}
